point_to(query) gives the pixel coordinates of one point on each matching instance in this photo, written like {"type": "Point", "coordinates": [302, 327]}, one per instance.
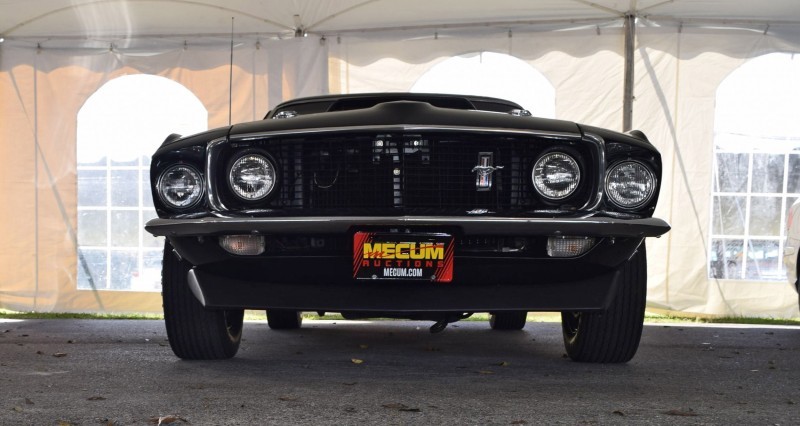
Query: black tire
{"type": "Point", "coordinates": [611, 336]}
{"type": "Point", "coordinates": [281, 319]}
{"type": "Point", "coordinates": [508, 320]}
{"type": "Point", "coordinates": [193, 331]}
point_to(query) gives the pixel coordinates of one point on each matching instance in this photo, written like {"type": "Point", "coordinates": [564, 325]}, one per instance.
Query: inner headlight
{"type": "Point", "coordinates": [180, 187]}
{"type": "Point", "coordinates": [252, 177]}
{"type": "Point", "coordinates": [630, 184]}
{"type": "Point", "coordinates": [556, 175]}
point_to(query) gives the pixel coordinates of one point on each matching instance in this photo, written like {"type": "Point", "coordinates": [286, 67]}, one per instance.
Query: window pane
{"type": "Point", "coordinates": [123, 269]}
{"type": "Point", "coordinates": [794, 174]}
{"type": "Point", "coordinates": [125, 188]}
{"type": "Point", "coordinates": [91, 269]}
{"type": "Point", "coordinates": [768, 173]}
{"type": "Point", "coordinates": [147, 194]}
{"type": "Point", "coordinates": [148, 240]}
{"type": "Point", "coordinates": [124, 228]}
{"type": "Point", "coordinates": [731, 172]}
{"type": "Point", "coordinates": [729, 214]}
{"type": "Point", "coordinates": [91, 188]}
{"type": "Point", "coordinates": [763, 261]}
{"type": "Point", "coordinates": [765, 216]}
{"type": "Point", "coordinates": [726, 258]}
{"type": "Point", "coordinates": [149, 278]}
{"type": "Point", "coordinates": [124, 161]}
{"type": "Point", "coordinates": [92, 227]}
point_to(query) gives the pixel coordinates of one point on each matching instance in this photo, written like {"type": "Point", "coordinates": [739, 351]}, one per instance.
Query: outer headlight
{"type": "Point", "coordinates": [180, 187]}
{"type": "Point", "coordinates": [630, 184]}
{"type": "Point", "coordinates": [252, 177]}
{"type": "Point", "coordinates": [556, 175]}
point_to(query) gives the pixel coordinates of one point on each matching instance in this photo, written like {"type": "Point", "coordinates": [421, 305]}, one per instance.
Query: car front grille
{"type": "Point", "coordinates": [400, 173]}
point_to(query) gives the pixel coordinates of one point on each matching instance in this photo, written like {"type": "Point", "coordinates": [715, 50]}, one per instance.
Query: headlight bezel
{"type": "Point", "coordinates": [198, 196]}
{"type": "Point", "coordinates": [645, 202]}
{"type": "Point", "coordinates": [575, 158]}
{"type": "Point", "coordinates": [270, 160]}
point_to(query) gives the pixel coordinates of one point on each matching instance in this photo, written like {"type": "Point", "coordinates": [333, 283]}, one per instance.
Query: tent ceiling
{"type": "Point", "coordinates": [103, 19]}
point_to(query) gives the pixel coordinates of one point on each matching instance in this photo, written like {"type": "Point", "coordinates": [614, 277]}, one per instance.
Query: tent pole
{"type": "Point", "coordinates": [627, 100]}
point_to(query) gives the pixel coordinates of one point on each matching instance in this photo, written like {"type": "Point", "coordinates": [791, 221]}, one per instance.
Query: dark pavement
{"type": "Point", "coordinates": [394, 372]}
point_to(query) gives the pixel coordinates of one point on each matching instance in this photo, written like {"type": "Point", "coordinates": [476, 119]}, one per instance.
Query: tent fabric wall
{"type": "Point", "coordinates": [43, 90]}
{"type": "Point", "coordinates": [677, 72]}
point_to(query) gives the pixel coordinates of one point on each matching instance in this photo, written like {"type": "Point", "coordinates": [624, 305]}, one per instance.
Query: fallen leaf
{"type": "Point", "coordinates": [288, 398]}
{"type": "Point", "coordinates": [503, 364]}
{"type": "Point", "coordinates": [165, 420]}
{"type": "Point", "coordinates": [64, 423]}
{"type": "Point", "coordinates": [39, 353]}
{"type": "Point", "coordinates": [17, 409]}
{"type": "Point", "coordinates": [618, 412]}
{"type": "Point", "coordinates": [59, 354]}
{"type": "Point", "coordinates": [363, 346]}
{"type": "Point", "coordinates": [681, 413]}
{"type": "Point", "coordinates": [357, 361]}
{"type": "Point", "coordinates": [95, 398]}
{"type": "Point", "coordinates": [70, 341]}
{"type": "Point", "coordinates": [28, 401]}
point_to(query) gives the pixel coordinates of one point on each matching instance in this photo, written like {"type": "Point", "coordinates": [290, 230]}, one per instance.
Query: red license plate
{"type": "Point", "coordinates": [396, 256]}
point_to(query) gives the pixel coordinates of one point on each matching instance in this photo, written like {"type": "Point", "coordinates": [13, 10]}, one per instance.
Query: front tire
{"type": "Point", "coordinates": [611, 336]}
{"type": "Point", "coordinates": [193, 331]}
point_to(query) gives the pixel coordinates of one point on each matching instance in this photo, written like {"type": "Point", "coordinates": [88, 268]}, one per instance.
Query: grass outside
{"type": "Point", "coordinates": [532, 317]}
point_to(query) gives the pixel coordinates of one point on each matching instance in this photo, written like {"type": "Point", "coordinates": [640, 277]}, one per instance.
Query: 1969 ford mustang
{"type": "Point", "coordinates": [419, 206]}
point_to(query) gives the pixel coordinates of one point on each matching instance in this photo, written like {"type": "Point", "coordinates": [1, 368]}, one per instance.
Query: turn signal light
{"type": "Point", "coordinates": [568, 246]}
{"type": "Point", "coordinates": [243, 245]}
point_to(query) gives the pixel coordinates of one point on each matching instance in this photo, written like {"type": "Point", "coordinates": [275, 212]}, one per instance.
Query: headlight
{"type": "Point", "coordinates": [556, 175]}
{"type": "Point", "coordinates": [630, 184]}
{"type": "Point", "coordinates": [252, 177]}
{"type": "Point", "coordinates": [180, 187]}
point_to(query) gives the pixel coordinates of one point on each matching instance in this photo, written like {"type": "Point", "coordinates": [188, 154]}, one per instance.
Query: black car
{"type": "Point", "coordinates": [419, 206]}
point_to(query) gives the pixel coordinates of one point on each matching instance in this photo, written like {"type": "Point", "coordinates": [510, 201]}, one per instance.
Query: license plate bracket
{"type": "Point", "coordinates": [403, 256]}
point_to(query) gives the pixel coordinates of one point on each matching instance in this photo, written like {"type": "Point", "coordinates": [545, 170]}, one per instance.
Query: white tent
{"type": "Point", "coordinates": [660, 66]}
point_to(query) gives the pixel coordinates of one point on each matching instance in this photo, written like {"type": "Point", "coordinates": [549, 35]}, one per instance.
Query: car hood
{"type": "Point", "coordinates": [409, 114]}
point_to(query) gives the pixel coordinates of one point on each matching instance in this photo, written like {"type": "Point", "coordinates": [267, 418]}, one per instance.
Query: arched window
{"type": "Point", "coordinates": [756, 169]}
{"type": "Point", "coordinates": [492, 74]}
{"type": "Point", "coordinates": [119, 127]}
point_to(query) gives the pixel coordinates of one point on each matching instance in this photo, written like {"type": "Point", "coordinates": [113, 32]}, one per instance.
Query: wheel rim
{"type": "Point", "coordinates": [233, 322]}
{"type": "Point", "coordinates": [572, 322]}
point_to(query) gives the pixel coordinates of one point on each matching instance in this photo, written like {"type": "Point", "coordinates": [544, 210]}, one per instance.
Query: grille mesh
{"type": "Point", "coordinates": [398, 173]}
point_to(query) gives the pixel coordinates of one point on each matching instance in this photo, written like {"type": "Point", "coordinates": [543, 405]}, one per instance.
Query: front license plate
{"type": "Point", "coordinates": [393, 256]}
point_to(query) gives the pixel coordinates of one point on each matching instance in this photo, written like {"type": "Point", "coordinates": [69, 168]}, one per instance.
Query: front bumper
{"type": "Point", "coordinates": [500, 226]}
{"type": "Point", "coordinates": [481, 283]}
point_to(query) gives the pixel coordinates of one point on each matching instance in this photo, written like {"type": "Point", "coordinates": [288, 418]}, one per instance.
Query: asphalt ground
{"type": "Point", "coordinates": [119, 372]}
